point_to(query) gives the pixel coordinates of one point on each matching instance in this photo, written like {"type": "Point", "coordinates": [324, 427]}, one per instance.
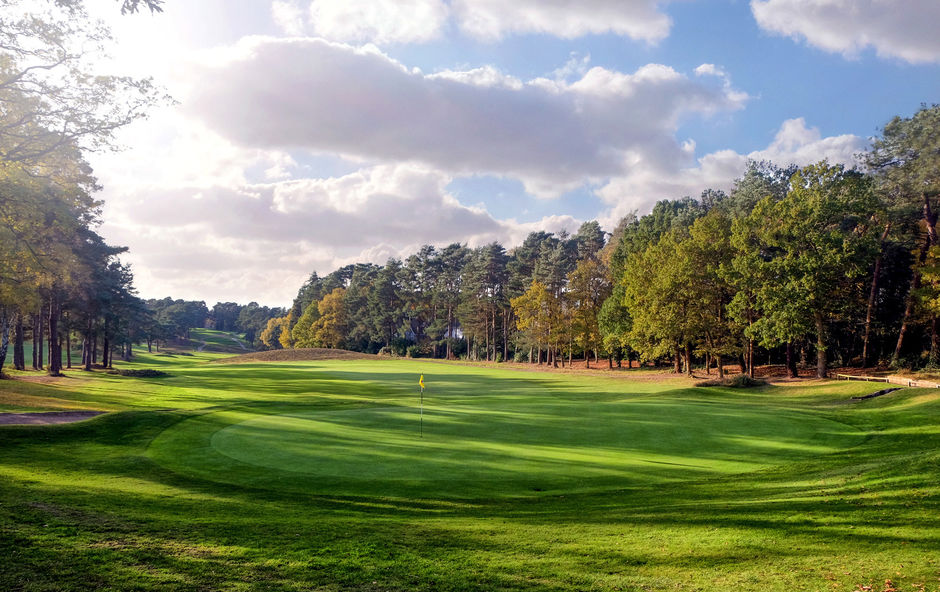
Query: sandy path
{"type": "Point", "coordinates": [46, 417]}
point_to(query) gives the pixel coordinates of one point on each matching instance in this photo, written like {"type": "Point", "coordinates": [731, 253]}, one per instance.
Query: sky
{"type": "Point", "coordinates": [306, 135]}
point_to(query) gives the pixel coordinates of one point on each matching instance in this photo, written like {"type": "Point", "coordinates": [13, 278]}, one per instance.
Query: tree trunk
{"type": "Point", "coordinates": [872, 296]}
{"type": "Point", "coordinates": [909, 303]}
{"type": "Point", "coordinates": [38, 340]}
{"type": "Point", "coordinates": [35, 324]}
{"type": "Point", "coordinates": [19, 353]}
{"type": "Point", "coordinates": [447, 335]}
{"type": "Point", "coordinates": [55, 346]}
{"type": "Point", "coordinates": [905, 318]}
{"type": "Point", "coordinates": [4, 337]}
{"type": "Point", "coordinates": [495, 344]}
{"type": "Point", "coordinates": [750, 358]}
{"type": "Point", "coordinates": [791, 361]}
{"type": "Point", "coordinates": [505, 336]}
{"type": "Point", "coordinates": [486, 333]}
{"type": "Point", "coordinates": [721, 366]}
{"type": "Point", "coordinates": [688, 359]}
{"type": "Point", "coordinates": [677, 365]}
{"type": "Point", "coordinates": [932, 359]}
{"type": "Point", "coordinates": [930, 218]}
{"type": "Point", "coordinates": [88, 345]}
{"type": "Point", "coordinates": [820, 347]}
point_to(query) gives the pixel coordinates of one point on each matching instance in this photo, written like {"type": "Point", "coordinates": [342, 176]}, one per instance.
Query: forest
{"type": "Point", "coordinates": [812, 266]}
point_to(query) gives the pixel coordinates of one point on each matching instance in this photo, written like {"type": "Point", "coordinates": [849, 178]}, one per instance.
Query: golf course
{"type": "Point", "coordinates": [337, 474]}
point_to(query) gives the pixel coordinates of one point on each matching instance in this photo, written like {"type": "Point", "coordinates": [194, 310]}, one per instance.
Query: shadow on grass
{"type": "Point", "coordinates": [83, 507]}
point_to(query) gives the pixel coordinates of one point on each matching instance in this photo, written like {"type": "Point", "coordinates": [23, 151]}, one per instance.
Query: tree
{"type": "Point", "coordinates": [419, 277]}
{"type": "Point", "coordinates": [905, 162]}
{"type": "Point", "coordinates": [615, 323]}
{"type": "Point", "coordinates": [590, 240]}
{"type": "Point", "coordinates": [52, 98]}
{"type": "Point", "coordinates": [271, 336]}
{"type": "Point", "coordinates": [658, 293]}
{"type": "Point", "coordinates": [329, 330]}
{"type": "Point", "coordinates": [588, 289]}
{"type": "Point", "coordinates": [484, 298]}
{"type": "Point", "coordinates": [536, 311]}
{"type": "Point", "coordinates": [386, 306]}
{"type": "Point", "coordinates": [447, 290]}
{"type": "Point", "coordinates": [302, 333]}
{"type": "Point", "coordinates": [812, 247]}
{"type": "Point", "coordinates": [705, 254]}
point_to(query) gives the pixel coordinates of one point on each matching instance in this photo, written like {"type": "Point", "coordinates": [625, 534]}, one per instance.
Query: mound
{"type": "Point", "coordinates": [305, 354]}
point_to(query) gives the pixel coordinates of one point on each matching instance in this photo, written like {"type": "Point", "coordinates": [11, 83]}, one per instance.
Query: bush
{"type": "Point", "coordinates": [424, 350]}
{"type": "Point", "coordinates": [739, 381]}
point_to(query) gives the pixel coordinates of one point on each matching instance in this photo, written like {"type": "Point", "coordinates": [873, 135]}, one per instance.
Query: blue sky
{"type": "Point", "coordinates": [308, 134]}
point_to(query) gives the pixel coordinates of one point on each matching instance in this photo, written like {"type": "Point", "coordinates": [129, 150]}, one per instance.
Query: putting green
{"type": "Point", "coordinates": [493, 448]}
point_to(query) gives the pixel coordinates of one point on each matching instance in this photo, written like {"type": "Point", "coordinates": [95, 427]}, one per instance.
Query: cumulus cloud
{"type": "Point", "coordinates": [903, 29]}
{"type": "Point", "coordinates": [260, 240]}
{"type": "Point", "coordinates": [419, 21]}
{"type": "Point", "coordinates": [378, 21]}
{"type": "Point", "coordinates": [495, 19]}
{"type": "Point", "coordinates": [553, 135]}
{"type": "Point", "coordinates": [794, 143]}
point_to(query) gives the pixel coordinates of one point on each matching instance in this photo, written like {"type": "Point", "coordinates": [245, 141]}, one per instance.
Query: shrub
{"type": "Point", "coordinates": [739, 381]}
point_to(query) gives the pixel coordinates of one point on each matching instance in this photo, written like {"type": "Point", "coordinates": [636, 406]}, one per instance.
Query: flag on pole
{"type": "Point", "coordinates": [421, 384]}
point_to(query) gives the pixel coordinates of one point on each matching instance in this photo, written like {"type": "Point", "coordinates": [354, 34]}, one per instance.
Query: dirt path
{"type": "Point", "coordinates": [46, 417]}
{"type": "Point", "coordinates": [239, 342]}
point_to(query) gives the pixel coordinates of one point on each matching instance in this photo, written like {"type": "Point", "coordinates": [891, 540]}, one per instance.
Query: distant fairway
{"type": "Point", "coordinates": [509, 445]}
{"type": "Point", "coordinates": [311, 475]}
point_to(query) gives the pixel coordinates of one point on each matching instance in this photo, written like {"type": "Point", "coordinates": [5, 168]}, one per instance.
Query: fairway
{"type": "Point", "coordinates": [314, 475]}
{"type": "Point", "coordinates": [494, 446]}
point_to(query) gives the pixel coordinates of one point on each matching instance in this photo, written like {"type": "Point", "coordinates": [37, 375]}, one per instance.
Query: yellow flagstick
{"type": "Point", "coordinates": [421, 384]}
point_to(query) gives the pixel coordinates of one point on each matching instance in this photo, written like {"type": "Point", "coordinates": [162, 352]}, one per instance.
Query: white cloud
{"type": "Point", "coordinates": [495, 19]}
{"type": "Point", "coordinates": [420, 21]}
{"type": "Point", "coordinates": [553, 135]}
{"type": "Point", "coordinates": [905, 29]}
{"type": "Point", "coordinates": [259, 241]}
{"type": "Point", "coordinates": [289, 17]}
{"type": "Point", "coordinates": [794, 143]}
{"type": "Point", "coordinates": [378, 21]}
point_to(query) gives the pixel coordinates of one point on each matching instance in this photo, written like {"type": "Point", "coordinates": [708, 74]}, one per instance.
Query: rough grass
{"type": "Point", "coordinates": [139, 499]}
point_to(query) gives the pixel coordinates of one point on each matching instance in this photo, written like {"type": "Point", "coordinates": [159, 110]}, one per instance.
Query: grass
{"type": "Point", "coordinates": [311, 476]}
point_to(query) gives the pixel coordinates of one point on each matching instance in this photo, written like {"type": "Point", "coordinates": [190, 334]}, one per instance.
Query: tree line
{"type": "Point", "coordinates": [59, 279]}
{"type": "Point", "coordinates": [815, 265]}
